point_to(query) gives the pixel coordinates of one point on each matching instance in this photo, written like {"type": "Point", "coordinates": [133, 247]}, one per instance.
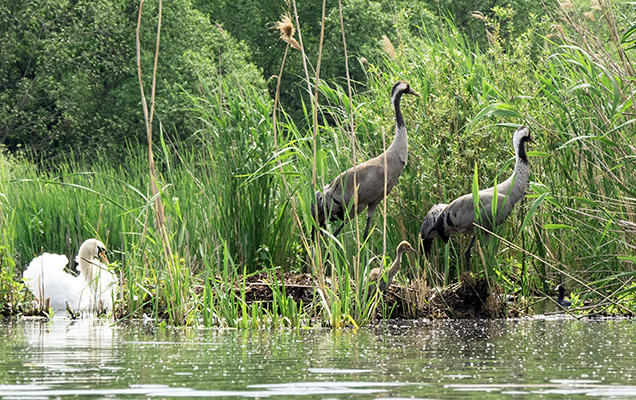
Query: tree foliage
{"type": "Point", "coordinates": [68, 73]}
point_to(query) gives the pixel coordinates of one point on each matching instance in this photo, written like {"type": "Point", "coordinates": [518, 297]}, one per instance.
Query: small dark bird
{"type": "Point", "coordinates": [561, 297]}
{"type": "Point", "coordinates": [375, 275]}
{"type": "Point", "coordinates": [332, 203]}
{"type": "Point", "coordinates": [459, 215]}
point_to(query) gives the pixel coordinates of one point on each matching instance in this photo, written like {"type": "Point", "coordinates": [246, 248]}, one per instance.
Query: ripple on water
{"type": "Point", "coordinates": [556, 358]}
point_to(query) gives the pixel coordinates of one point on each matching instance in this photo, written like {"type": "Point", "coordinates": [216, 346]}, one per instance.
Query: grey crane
{"type": "Point", "coordinates": [375, 275]}
{"type": "Point", "coordinates": [459, 215]}
{"type": "Point", "coordinates": [332, 203]}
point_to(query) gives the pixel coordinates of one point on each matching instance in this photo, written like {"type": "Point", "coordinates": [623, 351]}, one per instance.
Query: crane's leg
{"type": "Point", "coordinates": [370, 212]}
{"type": "Point", "coordinates": [470, 246]}
{"type": "Point", "coordinates": [366, 229]}
{"type": "Point", "coordinates": [339, 229]}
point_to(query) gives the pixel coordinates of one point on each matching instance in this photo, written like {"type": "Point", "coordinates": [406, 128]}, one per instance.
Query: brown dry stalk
{"type": "Point", "coordinates": [314, 104]}
{"type": "Point", "coordinates": [148, 118]}
{"type": "Point", "coordinates": [302, 50]}
{"type": "Point", "coordinates": [353, 141]}
{"type": "Point", "coordinates": [388, 46]}
{"type": "Point", "coordinates": [287, 31]}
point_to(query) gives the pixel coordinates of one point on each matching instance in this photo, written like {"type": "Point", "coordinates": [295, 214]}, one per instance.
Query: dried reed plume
{"type": "Point", "coordinates": [478, 15]}
{"type": "Point", "coordinates": [566, 5]}
{"type": "Point", "coordinates": [287, 30]}
{"type": "Point", "coordinates": [388, 46]}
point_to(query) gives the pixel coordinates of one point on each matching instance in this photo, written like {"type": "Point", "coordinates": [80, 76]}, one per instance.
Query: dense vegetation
{"type": "Point", "coordinates": [237, 186]}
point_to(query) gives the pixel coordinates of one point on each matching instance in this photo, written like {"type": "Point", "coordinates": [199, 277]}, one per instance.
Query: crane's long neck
{"type": "Point", "coordinates": [518, 182]}
{"type": "Point", "coordinates": [395, 267]}
{"type": "Point", "coordinates": [400, 141]}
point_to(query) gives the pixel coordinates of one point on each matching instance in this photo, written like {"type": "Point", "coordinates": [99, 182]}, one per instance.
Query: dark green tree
{"type": "Point", "coordinates": [68, 73]}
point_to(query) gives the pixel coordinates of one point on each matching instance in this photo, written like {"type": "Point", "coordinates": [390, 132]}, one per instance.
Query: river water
{"type": "Point", "coordinates": [516, 359]}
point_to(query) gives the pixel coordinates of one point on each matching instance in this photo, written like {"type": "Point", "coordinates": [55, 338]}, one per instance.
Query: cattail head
{"type": "Point", "coordinates": [287, 31]}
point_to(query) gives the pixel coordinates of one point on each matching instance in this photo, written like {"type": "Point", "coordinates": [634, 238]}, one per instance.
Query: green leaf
{"type": "Point", "coordinates": [535, 204]}
{"type": "Point", "coordinates": [589, 202]}
{"type": "Point", "coordinates": [475, 189]}
{"type": "Point", "coordinates": [557, 226]}
{"type": "Point", "coordinates": [535, 153]}
{"type": "Point", "coordinates": [496, 110]}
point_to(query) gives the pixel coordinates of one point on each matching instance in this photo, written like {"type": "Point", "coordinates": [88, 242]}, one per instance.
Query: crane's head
{"type": "Point", "coordinates": [522, 134]}
{"type": "Point", "coordinates": [402, 87]}
{"type": "Point", "coordinates": [404, 246]}
{"type": "Point", "coordinates": [521, 137]}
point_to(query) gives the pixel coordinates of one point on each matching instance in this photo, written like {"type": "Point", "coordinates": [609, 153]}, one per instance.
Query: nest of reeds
{"type": "Point", "coordinates": [469, 298]}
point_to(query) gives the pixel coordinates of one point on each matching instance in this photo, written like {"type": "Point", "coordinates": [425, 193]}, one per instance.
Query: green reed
{"type": "Point", "coordinates": [237, 204]}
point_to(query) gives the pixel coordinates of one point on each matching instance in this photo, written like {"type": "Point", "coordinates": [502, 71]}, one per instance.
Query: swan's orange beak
{"type": "Point", "coordinates": [102, 255]}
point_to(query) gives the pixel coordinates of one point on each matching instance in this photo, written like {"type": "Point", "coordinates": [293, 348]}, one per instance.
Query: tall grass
{"type": "Point", "coordinates": [230, 190]}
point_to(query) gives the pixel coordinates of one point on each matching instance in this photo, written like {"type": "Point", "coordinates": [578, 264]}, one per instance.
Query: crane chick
{"type": "Point", "coordinates": [375, 275]}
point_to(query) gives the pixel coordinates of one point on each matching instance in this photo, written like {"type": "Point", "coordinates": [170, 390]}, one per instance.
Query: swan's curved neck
{"type": "Point", "coordinates": [88, 269]}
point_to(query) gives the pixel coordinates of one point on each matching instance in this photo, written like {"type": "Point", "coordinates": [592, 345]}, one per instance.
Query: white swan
{"type": "Point", "coordinates": [91, 290]}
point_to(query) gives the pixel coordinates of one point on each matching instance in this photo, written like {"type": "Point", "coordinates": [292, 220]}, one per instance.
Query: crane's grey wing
{"type": "Point", "coordinates": [504, 206]}
{"type": "Point", "coordinates": [457, 217]}
{"type": "Point", "coordinates": [369, 180]}
{"type": "Point", "coordinates": [333, 200]}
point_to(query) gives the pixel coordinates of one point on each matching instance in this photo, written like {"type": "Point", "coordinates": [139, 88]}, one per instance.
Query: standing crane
{"type": "Point", "coordinates": [335, 201]}
{"type": "Point", "coordinates": [458, 217]}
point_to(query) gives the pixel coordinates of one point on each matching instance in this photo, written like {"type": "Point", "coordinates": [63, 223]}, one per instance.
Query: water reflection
{"type": "Point", "coordinates": [556, 358]}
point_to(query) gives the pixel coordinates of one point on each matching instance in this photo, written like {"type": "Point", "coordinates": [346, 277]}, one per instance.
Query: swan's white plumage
{"type": "Point", "coordinates": [46, 278]}
{"type": "Point", "coordinates": [91, 290]}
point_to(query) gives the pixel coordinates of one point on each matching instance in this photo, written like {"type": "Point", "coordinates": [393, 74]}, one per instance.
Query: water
{"type": "Point", "coordinates": [522, 359]}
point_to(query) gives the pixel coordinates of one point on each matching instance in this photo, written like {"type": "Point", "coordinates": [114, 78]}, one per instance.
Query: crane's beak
{"type": "Point", "coordinates": [413, 92]}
